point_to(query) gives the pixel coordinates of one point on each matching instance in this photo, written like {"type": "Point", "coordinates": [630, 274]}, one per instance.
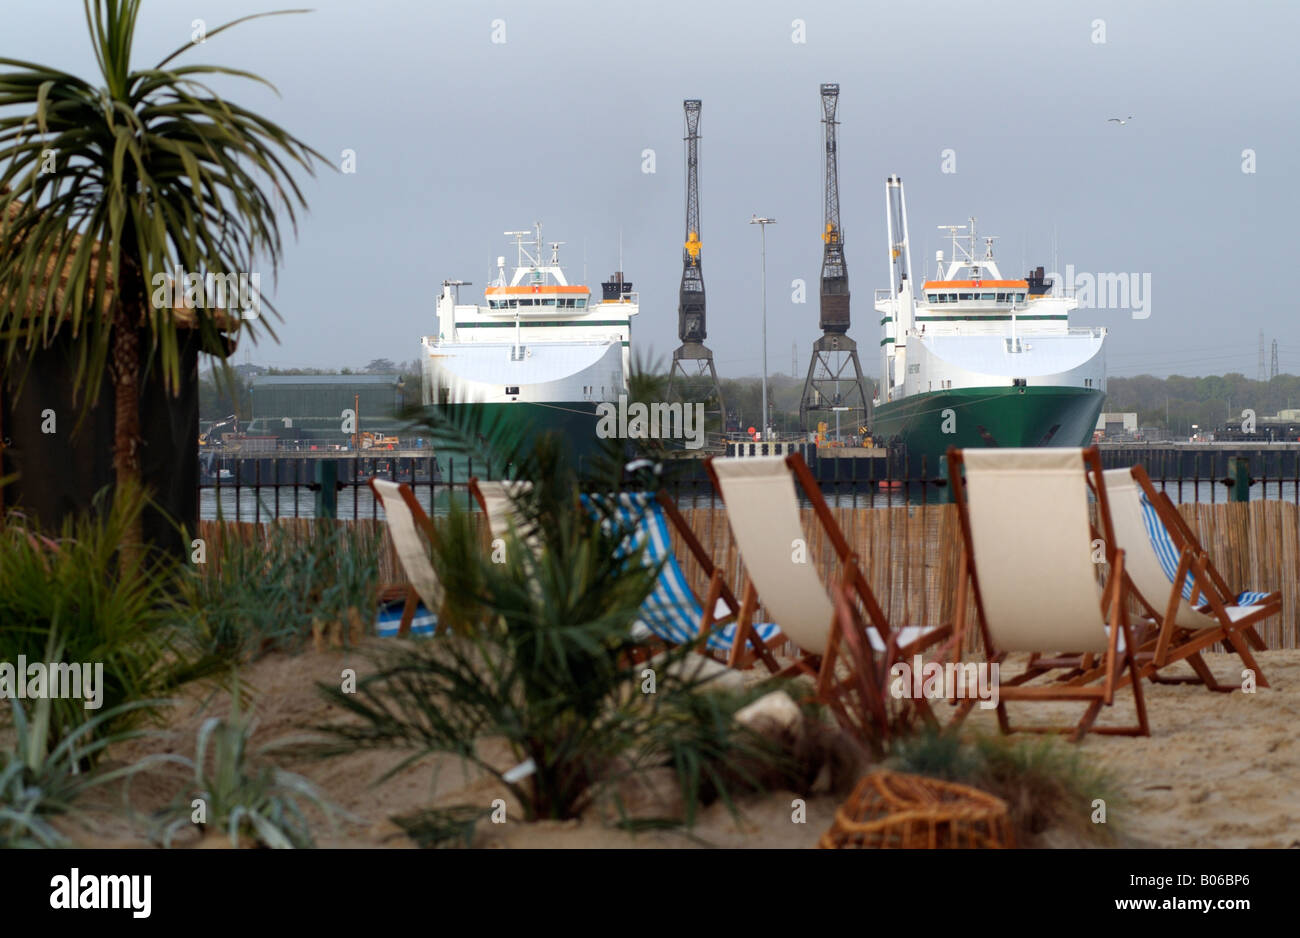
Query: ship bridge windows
{"type": "Point", "coordinates": [936, 298]}
{"type": "Point", "coordinates": [532, 302]}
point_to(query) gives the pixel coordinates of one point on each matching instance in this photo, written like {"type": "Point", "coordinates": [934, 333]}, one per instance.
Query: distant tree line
{"type": "Point", "coordinates": [1177, 402]}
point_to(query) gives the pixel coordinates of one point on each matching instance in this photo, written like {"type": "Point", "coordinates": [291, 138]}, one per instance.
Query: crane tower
{"type": "Point", "coordinates": [834, 390]}
{"type": "Point", "coordinates": [693, 377]}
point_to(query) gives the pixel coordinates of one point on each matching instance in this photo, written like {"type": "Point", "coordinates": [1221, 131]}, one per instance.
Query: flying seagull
{"type": "Point", "coordinates": [1120, 120]}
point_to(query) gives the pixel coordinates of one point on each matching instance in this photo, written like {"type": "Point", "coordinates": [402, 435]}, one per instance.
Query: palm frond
{"type": "Point", "coordinates": [107, 188]}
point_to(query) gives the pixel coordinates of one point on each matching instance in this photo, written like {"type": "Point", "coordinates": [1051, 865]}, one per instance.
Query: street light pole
{"type": "Point", "coordinates": [763, 223]}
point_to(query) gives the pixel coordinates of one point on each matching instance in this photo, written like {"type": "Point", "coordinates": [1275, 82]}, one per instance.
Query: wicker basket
{"type": "Point", "coordinates": [892, 810]}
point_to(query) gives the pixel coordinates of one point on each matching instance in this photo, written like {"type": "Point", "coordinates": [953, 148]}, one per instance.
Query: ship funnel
{"type": "Point", "coordinates": [615, 288]}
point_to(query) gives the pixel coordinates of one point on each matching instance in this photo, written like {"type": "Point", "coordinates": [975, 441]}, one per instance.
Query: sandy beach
{"type": "Point", "coordinates": [1218, 770]}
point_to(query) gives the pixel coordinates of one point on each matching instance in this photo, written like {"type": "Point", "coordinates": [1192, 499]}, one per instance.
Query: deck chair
{"type": "Point", "coordinates": [1027, 562]}
{"type": "Point", "coordinates": [1169, 512]}
{"type": "Point", "coordinates": [411, 532]}
{"type": "Point", "coordinates": [496, 498]}
{"type": "Point", "coordinates": [1189, 601]}
{"type": "Point", "coordinates": [673, 613]}
{"type": "Point", "coordinates": [763, 511]}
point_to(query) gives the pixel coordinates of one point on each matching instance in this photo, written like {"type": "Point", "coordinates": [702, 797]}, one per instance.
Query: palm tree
{"type": "Point", "coordinates": [107, 187]}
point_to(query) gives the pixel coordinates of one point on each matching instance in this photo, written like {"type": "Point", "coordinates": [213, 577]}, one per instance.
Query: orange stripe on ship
{"type": "Point", "coordinates": [528, 291]}
{"type": "Point", "coordinates": [960, 284]}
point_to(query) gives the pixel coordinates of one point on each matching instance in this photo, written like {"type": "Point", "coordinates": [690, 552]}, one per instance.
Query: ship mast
{"type": "Point", "coordinates": [900, 282]}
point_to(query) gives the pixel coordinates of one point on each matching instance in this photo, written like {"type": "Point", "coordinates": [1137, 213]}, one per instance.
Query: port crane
{"type": "Point", "coordinates": [693, 377]}
{"type": "Point", "coordinates": [834, 383]}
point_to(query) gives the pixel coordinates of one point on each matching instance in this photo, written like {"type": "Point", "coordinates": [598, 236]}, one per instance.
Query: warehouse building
{"type": "Point", "coordinates": [317, 407]}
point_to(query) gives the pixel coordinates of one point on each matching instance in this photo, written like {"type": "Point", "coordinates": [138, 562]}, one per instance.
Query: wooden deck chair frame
{"type": "Point", "coordinates": [851, 570]}
{"type": "Point", "coordinates": [1095, 686]}
{"type": "Point", "coordinates": [406, 591]}
{"type": "Point", "coordinates": [747, 646]}
{"type": "Point", "coordinates": [821, 666]}
{"type": "Point", "coordinates": [1175, 643]}
{"type": "Point", "coordinates": [858, 702]}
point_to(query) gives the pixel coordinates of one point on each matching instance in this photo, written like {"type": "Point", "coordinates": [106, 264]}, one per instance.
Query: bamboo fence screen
{"type": "Point", "coordinates": [910, 554]}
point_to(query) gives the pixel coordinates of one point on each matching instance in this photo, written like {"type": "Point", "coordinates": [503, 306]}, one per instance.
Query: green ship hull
{"type": "Point", "coordinates": [923, 426]}
{"type": "Point", "coordinates": [574, 421]}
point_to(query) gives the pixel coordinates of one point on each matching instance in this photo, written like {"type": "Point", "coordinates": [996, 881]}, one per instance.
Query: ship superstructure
{"type": "Point", "coordinates": [535, 340]}
{"type": "Point", "coordinates": [971, 358]}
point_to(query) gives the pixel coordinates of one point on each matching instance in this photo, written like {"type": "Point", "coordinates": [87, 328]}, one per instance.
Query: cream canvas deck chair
{"type": "Point", "coordinates": [411, 532]}
{"type": "Point", "coordinates": [1028, 563]}
{"type": "Point", "coordinates": [496, 498]}
{"type": "Point", "coordinates": [763, 511]}
{"type": "Point", "coordinates": [1190, 603]}
{"type": "Point", "coordinates": [673, 613]}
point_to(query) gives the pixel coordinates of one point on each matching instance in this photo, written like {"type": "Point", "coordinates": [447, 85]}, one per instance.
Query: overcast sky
{"type": "Point", "coordinates": [459, 138]}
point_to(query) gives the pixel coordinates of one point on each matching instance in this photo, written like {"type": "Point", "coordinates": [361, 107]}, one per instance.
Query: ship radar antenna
{"type": "Point", "coordinates": [457, 284]}
{"type": "Point", "coordinates": [519, 245]}
{"type": "Point", "coordinates": [957, 250]}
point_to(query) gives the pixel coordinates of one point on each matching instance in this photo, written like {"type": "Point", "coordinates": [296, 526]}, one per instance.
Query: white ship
{"type": "Point", "coordinates": [973, 359]}
{"type": "Point", "coordinates": [537, 342]}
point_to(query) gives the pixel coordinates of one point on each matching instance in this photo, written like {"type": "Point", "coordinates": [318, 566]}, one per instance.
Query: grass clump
{"type": "Point", "coordinates": [106, 608]}
{"type": "Point", "coordinates": [237, 792]}
{"type": "Point", "coordinates": [441, 828]}
{"type": "Point", "coordinates": [1048, 786]}
{"type": "Point", "coordinates": [272, 595]}
{"type": "Point", "coordinates": [40, 783]}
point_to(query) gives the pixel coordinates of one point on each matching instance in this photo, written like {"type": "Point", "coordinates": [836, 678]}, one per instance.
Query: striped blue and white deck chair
{"type": "Point", "coordinates": [392, 610]}
{"type": "Point", "coordinates": [673, 612]}
{"type": "Point", "coordinates": [1189, 601]}
{"type": "Point", "coordinates": [411, 532]}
